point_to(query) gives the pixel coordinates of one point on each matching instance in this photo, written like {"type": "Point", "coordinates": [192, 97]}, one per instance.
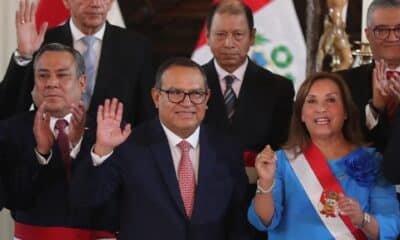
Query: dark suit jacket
{"type": "Point", "coordinates": [142, 171]}
{"type": "Point", "coordinates": [359, 81]}
{"type": "Point", "coordinates": [263, 108]}
{"type": "Point", "coordinates": [42, 190]}
{"type": "Point", "coordinates": [391, 157]}
{"type": "Point", "coordinates": [124, 72]}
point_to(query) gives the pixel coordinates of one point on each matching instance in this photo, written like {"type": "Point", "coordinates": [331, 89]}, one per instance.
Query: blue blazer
{"type": "Point", "coordinates": [141, 171]}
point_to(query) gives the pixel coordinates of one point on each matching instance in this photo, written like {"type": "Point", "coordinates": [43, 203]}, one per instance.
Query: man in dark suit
{"type": "Point", "coordinates": [119, 59]}
{"type": "Point", "coordinates": [177, 178]}
{"type": "Point", "coordinates": [383, 34]}
{"type": "Point", "coordinates": [263, 100]}
{"type": "Point", "coordinates": [262, 105]}
{"type": "Point", "coordinates": [46, 155]}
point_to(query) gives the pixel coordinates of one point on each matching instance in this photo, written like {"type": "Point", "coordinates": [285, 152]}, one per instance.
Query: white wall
{"type": "Point", "coordinates": [8, 44]}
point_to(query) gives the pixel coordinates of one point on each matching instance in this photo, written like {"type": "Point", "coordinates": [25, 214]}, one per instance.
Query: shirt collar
{"type": "Point", "coordinates": [174, 139]}
{"type": "Point", "coordinates": [238, 73]}
{"type": "Point", "coordinates": [53, 120]}
{"type": "Point", "coordinates": [78, 35]}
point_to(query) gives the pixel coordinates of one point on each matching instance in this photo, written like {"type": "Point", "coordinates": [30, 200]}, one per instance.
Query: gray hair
{"type": "Point", "coordinates": [380, 4]}
{"type": "Point", "coordinates": [58, 47]}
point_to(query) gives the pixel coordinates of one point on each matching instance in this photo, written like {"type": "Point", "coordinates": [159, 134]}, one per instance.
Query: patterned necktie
{"type": "Point", "coordinates": [229, 97]}
{"type": "Point", "coordinates": [63, 144]}
{"type": "Point", "coordinates": [187, 182]}
{"type": "Point", "coordinates": [89, 57]}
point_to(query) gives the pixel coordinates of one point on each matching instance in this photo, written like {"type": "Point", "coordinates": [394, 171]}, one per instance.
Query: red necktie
{"type": "Point", "coordinates": [187, 182]}
{"type": "Point", "coordinates": [392, 104]}
{"type": "Point", "coordinates": [63, 144]}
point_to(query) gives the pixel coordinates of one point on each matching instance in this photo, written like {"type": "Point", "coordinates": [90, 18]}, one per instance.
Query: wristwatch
{"type": "Point", "coordinates": [366, 220]}
{"type": "Point", "coordinates": [21, 60]}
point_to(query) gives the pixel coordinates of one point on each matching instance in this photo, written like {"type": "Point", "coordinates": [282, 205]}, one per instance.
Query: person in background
{"type": "Point", "coordinates": [324, 184]}
{"type": "Point", "coordinates": [377, 108]}
{"type": "Point", "coordinates": [117, 60]}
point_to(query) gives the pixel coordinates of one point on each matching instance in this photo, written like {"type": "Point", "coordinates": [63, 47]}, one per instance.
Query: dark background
{"type": "Point", "coordinates": [173, 26]}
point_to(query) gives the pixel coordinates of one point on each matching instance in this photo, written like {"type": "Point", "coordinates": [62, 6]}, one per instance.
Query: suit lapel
{"type": "Point", "coordinates": [162, 154]}
{"type": "Point", "coordinates": [205, 175]}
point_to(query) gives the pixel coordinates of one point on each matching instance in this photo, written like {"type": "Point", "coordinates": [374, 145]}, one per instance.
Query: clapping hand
{"type": "Point", "coordinates": [109, 133]}
{"type": "Point", "coordinates": [28, 39]}
{"type": "Point", "coordinates": [77, 124]}
{"type": "Point", "coordinates": [41, 130]}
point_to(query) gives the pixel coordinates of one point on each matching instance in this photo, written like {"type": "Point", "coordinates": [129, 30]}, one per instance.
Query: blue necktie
{"type": "Point", "coordinates": [89, 57]}
{"type": "Point", "coordinates": [229, 97]}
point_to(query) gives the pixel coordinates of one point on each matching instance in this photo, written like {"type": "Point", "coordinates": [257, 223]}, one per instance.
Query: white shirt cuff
{"type": "Point", "coordinates": [96, 159]}
{"type": "Point", "coordinates": [75, 150]}
{"type": "Point", "coordinates": [370, 120]}
{"type": "Point", "coordinates": [21, 62]}
{"type": "Point", "coordinates": [41, 159]}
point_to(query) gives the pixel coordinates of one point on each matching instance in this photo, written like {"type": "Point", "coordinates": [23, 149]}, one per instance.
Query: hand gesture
{"type": "Point", "coordinates": [77, 124]}
{"type": "Point", "coordinates": [380, 86]}
{"type": "Point", "coordinates": [351, 208]}
{"type": "Point", "coordinates": [28, 39]}
{"type": "Point", "coordinates": [109, 133]}
{"type": "Point", "coordinates": [41, 130]}
{"type": "Point", "coordinates": [265, 166]}
{"type": "Point", "coordinates": [394, 86]}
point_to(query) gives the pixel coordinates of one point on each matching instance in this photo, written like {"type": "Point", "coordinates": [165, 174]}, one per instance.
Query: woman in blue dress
{"type": "Point", "coordinates": [325, 184]}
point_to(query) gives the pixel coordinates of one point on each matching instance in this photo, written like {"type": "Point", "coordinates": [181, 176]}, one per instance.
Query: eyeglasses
{"type": "Point", "coordinates": [382, 33]}
{"type": "Point", "coordinates": [177, 96]}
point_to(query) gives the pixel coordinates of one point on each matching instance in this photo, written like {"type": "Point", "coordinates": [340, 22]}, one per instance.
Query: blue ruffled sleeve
{"type": "Point", "coordinates": [384, 205]}
{"type": "Point", "coordinates": [277, 194]}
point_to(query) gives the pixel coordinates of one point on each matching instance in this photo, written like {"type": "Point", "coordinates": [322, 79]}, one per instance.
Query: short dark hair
{"type": "Point", "coordinates": [380, 4]}
{"type": "Point", "coordinates": [230, 8]}
{"type": "Point", "coordinates": [178, 61]}
{"type": "Point", "coordinates": [299, 136]}
{"type": "Point", "coordinates": [58, 47]}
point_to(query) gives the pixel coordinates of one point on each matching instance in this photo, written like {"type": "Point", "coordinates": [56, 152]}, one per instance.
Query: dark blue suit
{"type": "Point", "coordinates": [141, 170]}
{"type": "Point", "coordinates": [42, 190]}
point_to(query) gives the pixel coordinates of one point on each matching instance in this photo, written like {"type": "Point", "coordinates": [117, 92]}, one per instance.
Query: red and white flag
{"type": "Point", "coordinates": [55, 13]}
{"type": "Point", "coordinates": [279, 44]}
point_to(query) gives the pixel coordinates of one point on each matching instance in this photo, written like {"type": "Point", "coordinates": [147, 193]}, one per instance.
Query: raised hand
{"type": "Point", "coordinates": [109, 133]}
{"type": "Point", "coordinates": [380, 86]}
{"type": "Point", "coordinates": [77, 124]}
{"type": "Point", "coordinates": [265, 166]}
{"type": "Point", "coordinates": [28, 39]}
{"type": "Point", "coordinates": [41, 130]}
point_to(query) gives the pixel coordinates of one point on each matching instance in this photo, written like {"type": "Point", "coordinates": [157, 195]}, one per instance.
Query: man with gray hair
{"type": "Point", "coordinates": [45, 157]}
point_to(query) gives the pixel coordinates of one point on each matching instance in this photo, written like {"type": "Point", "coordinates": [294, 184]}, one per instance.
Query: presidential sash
{"type": "Point", "coordinates": [322, 189]}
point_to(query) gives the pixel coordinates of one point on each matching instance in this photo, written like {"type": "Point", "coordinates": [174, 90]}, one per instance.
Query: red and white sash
{"type": "Point", "coordinates": [317, 179]}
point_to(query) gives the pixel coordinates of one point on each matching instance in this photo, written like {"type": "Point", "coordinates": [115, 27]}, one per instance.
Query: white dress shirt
{"type": "Point", "coordinates": [77, 37]}
{"type": "Point", "coordinates": [238, 74]}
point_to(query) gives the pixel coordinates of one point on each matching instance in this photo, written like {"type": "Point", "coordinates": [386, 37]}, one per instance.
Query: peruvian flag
{"type": "Point", "coordinates": [279, 44]}
{"type": "Point", "coordinates": [55, 13]}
